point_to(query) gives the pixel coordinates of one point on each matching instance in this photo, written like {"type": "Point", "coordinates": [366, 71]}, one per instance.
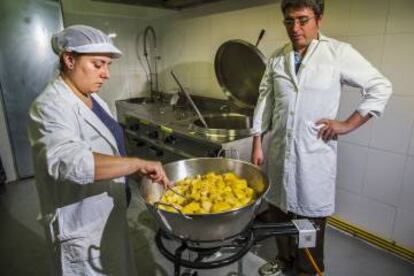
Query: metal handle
{"type": "Point", "coordinates": [177, 193]}
{"type": "Point", "coordinates": [172, 206]}
{"type": "Point", "coordinates": [138, 142]}
{"type": "Point", "coordinates": [189, 99]}
{"type": "Point", "coordinates": [262, 32]}
{"type": "Point", "coordinates": [231, 150]}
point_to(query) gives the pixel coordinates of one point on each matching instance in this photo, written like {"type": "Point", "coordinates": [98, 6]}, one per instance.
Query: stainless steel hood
{"type": "Point", "coordinates": [167, 4]}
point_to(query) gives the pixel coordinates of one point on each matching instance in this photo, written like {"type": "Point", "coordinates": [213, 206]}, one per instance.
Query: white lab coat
{"type": "Point", "coordinates": [85, 221]}
{"type": "Point", "coordinates": [302, 168]}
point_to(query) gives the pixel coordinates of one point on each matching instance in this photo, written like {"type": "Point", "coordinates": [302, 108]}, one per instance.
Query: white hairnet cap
{"type": "Point", "coordinates": [83, 39]}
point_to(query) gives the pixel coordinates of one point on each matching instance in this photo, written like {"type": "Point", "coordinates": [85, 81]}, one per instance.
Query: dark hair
{"type": "Point", "coordinates": [316, 5]}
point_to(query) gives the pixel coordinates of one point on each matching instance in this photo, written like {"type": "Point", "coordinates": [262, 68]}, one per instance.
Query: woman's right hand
{"type": "Point", "coordinates": [154, 171]}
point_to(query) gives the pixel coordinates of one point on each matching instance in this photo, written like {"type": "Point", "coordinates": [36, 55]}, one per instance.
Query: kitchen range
{"type": "Point", "coordinates": [157, 131]}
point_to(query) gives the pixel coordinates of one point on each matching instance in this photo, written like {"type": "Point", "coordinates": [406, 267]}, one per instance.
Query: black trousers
{"type": "Point", "coordinates": [128, 192]}
{"type": "Point", "coordinates": [287, 245]}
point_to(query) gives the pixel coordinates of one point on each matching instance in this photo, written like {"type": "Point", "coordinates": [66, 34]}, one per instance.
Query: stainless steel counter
{"type": "Point", "coordinates": [161, 127]}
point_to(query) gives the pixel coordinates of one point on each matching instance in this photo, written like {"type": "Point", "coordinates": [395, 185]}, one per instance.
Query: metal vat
{"type": "Point", "coordinates": [224, 125]}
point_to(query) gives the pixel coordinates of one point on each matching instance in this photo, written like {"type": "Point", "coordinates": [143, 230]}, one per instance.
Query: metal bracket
{"type": "Point", "coordinates": [307, 233]}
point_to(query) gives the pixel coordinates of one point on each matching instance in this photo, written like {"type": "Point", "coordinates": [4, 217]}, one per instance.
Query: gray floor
{"type": "Point", "coordinates": [22, 247]}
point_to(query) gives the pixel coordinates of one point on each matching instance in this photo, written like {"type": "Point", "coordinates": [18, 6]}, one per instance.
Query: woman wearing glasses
{"type": "Point", "coordinates": [298, 104]}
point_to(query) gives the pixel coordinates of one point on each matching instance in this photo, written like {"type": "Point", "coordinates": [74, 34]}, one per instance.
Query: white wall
{"type": "Point", "coordinates": [375, 186]}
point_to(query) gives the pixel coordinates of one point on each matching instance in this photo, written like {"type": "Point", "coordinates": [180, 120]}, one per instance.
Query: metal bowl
{"type": "Point", "coordinates": [206, 227]}
{"type": "Point", "coordinates": [224, 125]}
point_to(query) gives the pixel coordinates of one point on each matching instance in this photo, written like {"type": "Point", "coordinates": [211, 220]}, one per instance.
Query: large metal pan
{"type": "Point", "coordinates": [205, 227]}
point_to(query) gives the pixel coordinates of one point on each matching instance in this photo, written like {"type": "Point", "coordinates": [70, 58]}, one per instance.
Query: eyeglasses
{"type": "Point", "coordinates": [301, 20]}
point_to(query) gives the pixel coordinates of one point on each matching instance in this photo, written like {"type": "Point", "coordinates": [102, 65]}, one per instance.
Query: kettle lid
{"type": "Point", "coordinates": [239, 68]}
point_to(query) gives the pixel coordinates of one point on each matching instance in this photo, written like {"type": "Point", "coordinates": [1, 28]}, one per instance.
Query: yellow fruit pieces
{"type": "Point", "coordinates": [209, 193]}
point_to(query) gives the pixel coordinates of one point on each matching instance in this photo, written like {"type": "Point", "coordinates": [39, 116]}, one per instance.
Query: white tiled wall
{"type": "Point", "coordinates": [347, 205]}
{"type": "Point", "coordinates": [398, 61]}
{"type": "Point", "coordinates": [407, 191]}
{"type": "Point", "coordinates": [377, 217]}
{"type": "Point", "coordinates": [392, 132]}
{"type": "Point", "coordinates": [404, 227]}
{"type": "Point", "coordinates": [404, 222]}
{"type": "Point", "coordinates": [351, 174]}
{"type": "Point", "coordinates": [367, 18]}
{"type": "Point", "coordinates": [411, 150]}
{"type": "Point", "coordinates": [382, 32]}
{"type": "Point", "coordinates": [400, 18]}
{"type": "Point", "coordinates": [336, 20]}
{"type": "Point", "coordinates": [384, 173]}
{"type": "Point", "coordinates": [375, 182]}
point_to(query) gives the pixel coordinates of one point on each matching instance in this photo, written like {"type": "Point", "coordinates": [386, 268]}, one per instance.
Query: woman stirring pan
{"type": "Point", "coordinates": [80, 162]}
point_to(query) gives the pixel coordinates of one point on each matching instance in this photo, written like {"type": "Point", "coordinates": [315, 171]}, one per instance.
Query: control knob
{"type": "Point", "coordinates": [153, 134]}
{"type": "Point", "coordinates": [170, 140]}
{"type": "Point", "coordinates": [134, 126]}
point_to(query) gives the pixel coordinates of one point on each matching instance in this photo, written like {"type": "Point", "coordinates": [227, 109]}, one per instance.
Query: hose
{"type": "Point", "coordinates": [312, 262]}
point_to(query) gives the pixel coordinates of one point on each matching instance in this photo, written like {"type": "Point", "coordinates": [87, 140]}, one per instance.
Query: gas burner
{"type": "Point", "coordinates": [215, 254]}
{"type": "Point", "coordinates": [203, 255]}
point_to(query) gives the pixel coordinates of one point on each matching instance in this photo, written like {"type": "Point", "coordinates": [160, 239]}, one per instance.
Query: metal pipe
{"type": "Point", "coordinates": [189, 99]}
{"type": "Point", "coordinates": [152, 73]}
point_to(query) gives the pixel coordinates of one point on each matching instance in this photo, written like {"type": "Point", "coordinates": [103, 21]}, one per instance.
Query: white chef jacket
{"type": "Point", "coordinates": [301, 167]}
{"type": "Point", "coordinates": [85, 221]}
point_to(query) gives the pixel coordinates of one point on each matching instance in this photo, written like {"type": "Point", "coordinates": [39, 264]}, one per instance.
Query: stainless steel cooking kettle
{"type": "Point", "coordinates": [206, 227]}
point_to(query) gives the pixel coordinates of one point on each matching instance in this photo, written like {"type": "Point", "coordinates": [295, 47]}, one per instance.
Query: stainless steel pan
{"type": "Point", "coordinates": [206, 227]}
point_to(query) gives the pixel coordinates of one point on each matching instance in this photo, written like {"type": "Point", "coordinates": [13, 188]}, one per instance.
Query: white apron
{"type": "Point", "coordinates": [85, 221]}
